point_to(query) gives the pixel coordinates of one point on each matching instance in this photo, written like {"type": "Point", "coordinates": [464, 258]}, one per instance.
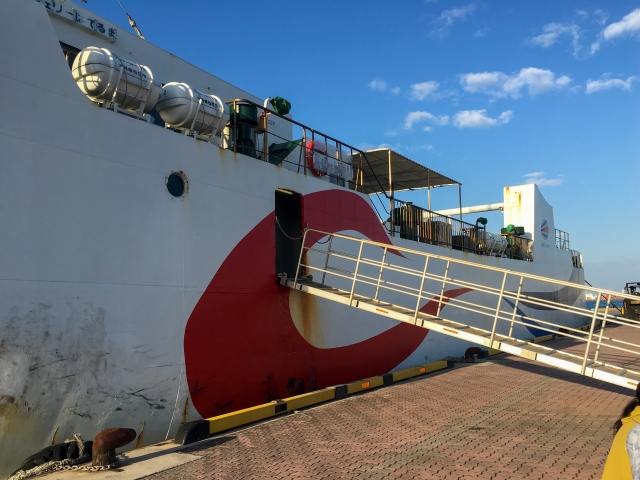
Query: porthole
{"type": "Point", "coordinates": [176, 184]}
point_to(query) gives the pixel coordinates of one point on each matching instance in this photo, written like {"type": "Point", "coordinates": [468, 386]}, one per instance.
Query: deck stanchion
{"type": "Point", "coordinates": [515, 305]}
{"type": "Point", "coordinates": [444, 282]}
{"type": "Point", "coordinates": [355, 274]}
{"type": "Point", "coordinates": [384, 258]}
{"type": "Point", "coordinates": [235, 127]}
{"type": "Point", "coordinates": [495, 319]}
{"type": "Point", "coordinates": [604, 322]}
{"type": "Point", "coordinates": [424, 274]}
{"type": "Point", "coordinates": [593, 326]}
{"type": "Point", "coordinates": [304, 239]}
{"type": "Point", "coordinates": [326, 260]}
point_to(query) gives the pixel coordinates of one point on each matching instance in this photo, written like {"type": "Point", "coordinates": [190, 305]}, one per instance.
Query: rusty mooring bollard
{"type": "Point", "coordinates": [106, 442]}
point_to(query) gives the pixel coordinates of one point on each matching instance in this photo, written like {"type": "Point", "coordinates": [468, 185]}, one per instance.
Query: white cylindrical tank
{"type": "Point", "coordinates": [96, 72]}
{"type": "Point", "coordinates": [181, 106]}
{"type": "Point", "coordinates": [494, 244]}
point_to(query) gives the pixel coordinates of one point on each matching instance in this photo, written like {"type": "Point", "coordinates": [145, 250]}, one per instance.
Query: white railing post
{"type": "Point", "coordinates": [593, 325]}
{"type": "Point", "coordinates": [384, 258]}
{"type": "Point", "coordinates": [444, 282]}
{"type": "Point", "coordinates": [604, 322]}
{"type": "Point", "coordinates": [326, 260]}
{"type": "Point", "coordinates": [424, 274]}
{"type": "Point", "coordinates": [295, 280]}
{"type": "Point", "coordinates": [355, 274]}
{"type": "Point", "coordinates": [515, 306]}
{"type": "Point", "coordinates": [495, 319]}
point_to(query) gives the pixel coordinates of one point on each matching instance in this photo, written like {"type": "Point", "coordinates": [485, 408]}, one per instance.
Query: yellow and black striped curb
{"type": "Point", "coordinates": [200, 429]}
{"type": "Point", "coordinates": [191, 432]}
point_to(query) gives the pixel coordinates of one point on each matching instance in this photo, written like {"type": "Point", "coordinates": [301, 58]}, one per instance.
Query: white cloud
{"type": "Point", "coordinates": [582, 13]}
{"type": "Point", "coordinates": [553, 31]}
{"type": "Point", "coordinates": [372, 146]}
{"type": "Point", "coordinates": [499, 84]}
{"type": "Point", "coordinates": [538, 179]}
{"type": "Point", "coordinates": [505, 117]}
{"type": "Point", "coordinates": [609, 83]}
{"type": "Point", "coordinates": [395, 90]}
{"type": "Point", "coordinates": [628, 26]}
{"type": "Point", "coordinates": [420, 91]}
{"type": "Point", "coordinates": [427, 128]}
{"type": "Point", "coordinates": [378, 85]}
{"type": "Point", "coordinates": [417, 117]}
{"type": "Point", "coordinates": [482, 32]}
{"type": "Point", "coordinates": [448, 17]}
{"type": "Point", "coordinates": [479, 119]}
{"type": "Point", "coordinates": [416, 148]}
{"type": "Point", "coordinates": [601, 17]}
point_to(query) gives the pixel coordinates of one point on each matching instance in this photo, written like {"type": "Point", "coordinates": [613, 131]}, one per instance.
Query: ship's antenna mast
{"type": "Point", "coordinates": [132, 22]}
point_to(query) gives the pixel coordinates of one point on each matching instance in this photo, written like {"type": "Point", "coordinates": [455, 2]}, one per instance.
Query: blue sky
{"type": "Point", "coordinates": [488, 93]}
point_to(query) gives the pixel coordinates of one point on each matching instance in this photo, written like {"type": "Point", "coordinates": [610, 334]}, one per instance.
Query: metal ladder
{"type": "Point", "coordinates": [375, 276]}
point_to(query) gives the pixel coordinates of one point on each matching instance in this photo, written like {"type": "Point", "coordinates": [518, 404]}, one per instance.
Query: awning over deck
{"type": "Point", "coordinates": [405, 173]}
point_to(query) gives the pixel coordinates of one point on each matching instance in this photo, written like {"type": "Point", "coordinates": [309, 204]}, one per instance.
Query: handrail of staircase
{"type": "Point", "coordinates": [498, 313]}
{"type": "Point", "coordinates": [468, 263]}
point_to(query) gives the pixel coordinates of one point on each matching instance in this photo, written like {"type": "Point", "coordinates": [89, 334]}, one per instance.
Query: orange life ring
{"type": "Point", "coordinates": [320, 148]}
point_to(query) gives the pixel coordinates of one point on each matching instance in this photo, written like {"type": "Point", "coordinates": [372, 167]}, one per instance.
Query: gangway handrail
{"type": "Point", "coordinates": [587, 364]}
{"type": "Point", "coordinates": [472, 264]}
{"type": "Point", "coordinates": [476, 287]}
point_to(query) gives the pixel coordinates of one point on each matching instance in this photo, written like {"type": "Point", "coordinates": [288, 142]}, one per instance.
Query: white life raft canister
{"type": "Point", "coordinates": [181, 106]}
{"type": "Point", "coordinates": [96, 72]}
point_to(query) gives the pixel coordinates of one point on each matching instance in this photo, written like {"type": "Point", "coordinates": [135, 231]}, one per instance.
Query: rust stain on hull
{"type": "Point", "coordinates": [53, 440]}
{"type": "Point", "coordinates": [304, 311]}
{"type": "Point", "coordinates": [185, 412]}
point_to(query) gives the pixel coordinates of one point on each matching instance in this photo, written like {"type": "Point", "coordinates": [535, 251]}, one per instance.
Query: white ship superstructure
{"type": "Point", "coordinates": [139, 258]}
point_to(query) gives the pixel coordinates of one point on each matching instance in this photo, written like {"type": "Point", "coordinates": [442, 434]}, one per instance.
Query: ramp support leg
{"type": "Point", "coordinates": [515, 306]}
{"type": "Point", "coordinates": [604, 322]}
{"type": "Point", "coordinates": [355, 274]}
{"type": "Point", "coordinates": [593, 326]}
{"type": "Point", "coordinates": [424, 274]}
{"type": "Point", "coordinates": [495, 319]}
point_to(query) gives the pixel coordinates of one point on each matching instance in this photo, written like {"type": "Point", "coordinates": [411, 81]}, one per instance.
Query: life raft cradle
{"type": "Point", "coordinates": [371, 274]}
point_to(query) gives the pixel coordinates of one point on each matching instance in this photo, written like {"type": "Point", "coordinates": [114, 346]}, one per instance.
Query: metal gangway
{"type": "Point", "coordinates": [394, 282]}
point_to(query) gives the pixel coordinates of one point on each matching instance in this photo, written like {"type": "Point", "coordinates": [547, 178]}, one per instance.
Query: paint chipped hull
{"type": "Point", "coordinates": [122, 306]}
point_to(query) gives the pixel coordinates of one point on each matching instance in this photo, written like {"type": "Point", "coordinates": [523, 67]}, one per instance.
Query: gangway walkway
{"type": "Point", "coordinates": [495, 306]}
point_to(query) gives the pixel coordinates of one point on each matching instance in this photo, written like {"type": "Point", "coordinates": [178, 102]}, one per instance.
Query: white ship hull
{"type": "Point", "coordinates": [122, 306]}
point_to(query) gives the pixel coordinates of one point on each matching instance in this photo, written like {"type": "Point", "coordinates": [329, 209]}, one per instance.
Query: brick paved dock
{"type": "Point", "coordinates": [502, 418]}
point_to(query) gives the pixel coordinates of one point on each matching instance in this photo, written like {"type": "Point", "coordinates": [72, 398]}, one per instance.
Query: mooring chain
{"type": "Point", "coordinates": [287, 235]}
{"type": "Point", "coordinates": [66, 464]}
{"type": "Point", "coordinates": [304, 230]}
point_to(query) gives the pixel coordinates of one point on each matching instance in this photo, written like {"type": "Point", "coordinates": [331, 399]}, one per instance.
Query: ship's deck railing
{"type": "Point", "coordinates": [376, 273]}
{"type": "Point", "coordinates": [562, 240]}
{"type": "Point", "coordinates": [320, 155]}
{"type": "Point", "coordinates": [415, 223]}
{"type": "Point", "coordinates": [576, 258]}
{"type": "Point", "coordinates": [519, 248]}
{"type": "Point", "coordinates": [425, 226]}
{"type": "Point", "coordinates": [303, 151]}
